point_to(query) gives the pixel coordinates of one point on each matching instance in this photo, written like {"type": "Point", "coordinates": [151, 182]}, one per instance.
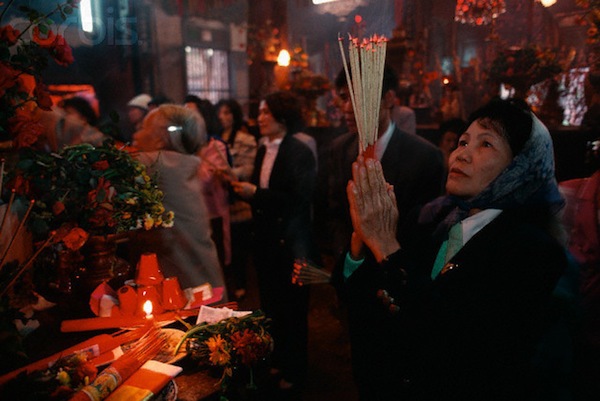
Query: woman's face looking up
{"type": "Point", "coordinates": [482, 154]}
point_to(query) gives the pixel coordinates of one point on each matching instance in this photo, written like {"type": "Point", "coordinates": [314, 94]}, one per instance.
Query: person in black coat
{"type": "Point", "coordinates": [281, 192]}
{"type": "Point", "coordinates": [415, 168]}
{"type": "Point", "coordinates": [467, 281]}
{"type": "Point", "coordinates": [413, 165]}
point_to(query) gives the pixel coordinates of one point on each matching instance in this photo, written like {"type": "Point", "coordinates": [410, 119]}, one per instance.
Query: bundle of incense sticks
{"type": "Point", "coordinates": [367, 61]}
{"type": "Point", "coordinates": [110, 378]}
{"type": "Point", "coordinates": [102, 343]}
{"type": "Point", "coordinates": [306, 272]}
{"type": "Point", "coordinates": [14, 275]}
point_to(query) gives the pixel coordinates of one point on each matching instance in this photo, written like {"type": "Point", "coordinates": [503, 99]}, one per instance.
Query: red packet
{"type": "Point", "coordinates": [369, 152]}
{"type": "Point", "coordinates": [102, 300]}
{"type": "Point", "coordinates": [198, 300]}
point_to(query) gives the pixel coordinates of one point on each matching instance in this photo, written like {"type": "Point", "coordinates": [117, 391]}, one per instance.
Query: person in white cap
{"type": "Point", "coordinates": [137, 108]}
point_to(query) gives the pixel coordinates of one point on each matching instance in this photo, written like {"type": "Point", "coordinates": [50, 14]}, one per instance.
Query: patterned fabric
{"type": "Point", "coordinates": [145, 383]}
{"type": "Point", "coordinates": [528, 181]}
{"type": "Point", "coordinates": [213, 157]}
{"type": "Point", "coordinates": [243, 152]}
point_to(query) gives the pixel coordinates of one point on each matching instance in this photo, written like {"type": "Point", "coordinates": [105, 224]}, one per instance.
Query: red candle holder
{"type": "Point", "coordinates": [148, 270]}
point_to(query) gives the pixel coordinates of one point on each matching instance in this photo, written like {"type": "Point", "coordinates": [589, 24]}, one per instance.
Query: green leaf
{"type": "Point", "coordinates": [43, 28]}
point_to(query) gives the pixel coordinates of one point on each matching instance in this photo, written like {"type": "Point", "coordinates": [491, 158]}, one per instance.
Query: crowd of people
{"type": "Point", "coordinates": [448, 257]}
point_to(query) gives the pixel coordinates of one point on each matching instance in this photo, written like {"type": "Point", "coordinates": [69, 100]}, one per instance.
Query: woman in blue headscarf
{"type": "Point", "coordinates": [469, 282]}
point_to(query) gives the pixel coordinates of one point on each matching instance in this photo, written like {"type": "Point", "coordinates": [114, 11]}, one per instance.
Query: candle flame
{"type": "Point", "coordinates": [147, 308]}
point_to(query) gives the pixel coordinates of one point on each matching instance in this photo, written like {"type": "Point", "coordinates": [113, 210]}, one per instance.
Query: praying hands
{"type": "Point", "coordinates": [373, 210]}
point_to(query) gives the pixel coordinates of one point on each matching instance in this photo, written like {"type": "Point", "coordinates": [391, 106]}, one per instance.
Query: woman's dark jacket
{"type": "Point", "coordinates": [468, 334]}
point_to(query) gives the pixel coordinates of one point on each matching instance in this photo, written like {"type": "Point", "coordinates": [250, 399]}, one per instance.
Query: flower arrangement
{"type": "Point", "coordinates": [522, 67]}
{"type": "Point", "coordinates": [591, 17]}
{"type": "Point", "coordinates": [299, 58]}
{"type": "Point", "coordinates": [477, 12]}
{"type": "Point", "coordinates": [230, 344]}
{"type": "Point", "coordinates": [84, 190]}
{"type": "Point", "coordinates": [23, 57]}
{"type": "Point", "coordinates": [306, 83]}
{"type": "Point", "coordinates": [59, 382]}
{"type": "Point", "coordinates": [263, 42]}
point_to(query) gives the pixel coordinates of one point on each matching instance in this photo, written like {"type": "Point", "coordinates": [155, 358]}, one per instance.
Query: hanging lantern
{"type": "Point", "coordinates": [478, 12]}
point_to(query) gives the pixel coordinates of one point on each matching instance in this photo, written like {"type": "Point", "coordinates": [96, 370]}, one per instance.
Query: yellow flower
{"type": "Point", "coordinates": [148, 222]}
{"type": "Point", "coordinates": [219, 352]}
{"type": "Point", "coordinates": [63, 377]}
{"type": "Point", "coordinates": [168, 221]}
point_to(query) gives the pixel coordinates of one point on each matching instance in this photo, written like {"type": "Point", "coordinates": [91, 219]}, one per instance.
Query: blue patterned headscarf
{"type": "Point", "coordinates": [529, 181]}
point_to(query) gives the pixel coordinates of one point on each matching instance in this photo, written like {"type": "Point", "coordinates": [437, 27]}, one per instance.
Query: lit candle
{"type": "Point", "coordinates": [148, 309]}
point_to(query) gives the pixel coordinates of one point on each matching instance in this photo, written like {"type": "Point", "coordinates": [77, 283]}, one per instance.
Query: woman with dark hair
{"type": "Point", "coordinates": [206, 110]}
{"type": "Point", "coordinates": [468, 280]}
{"type": "Point", "coordinates": [280, 192]}
{"type": "Point", "coordinates": [215, 161]}
{"type": "Point", "coordinates": [80, 108]}
{"type": "Point", "coordinates": [242, 147]}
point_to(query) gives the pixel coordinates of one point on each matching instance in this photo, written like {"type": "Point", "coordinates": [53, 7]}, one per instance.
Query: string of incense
{"type": "Point", "coordinates": [16, 234]}
{"type": "Point", "coordinates": [380, 54]}
{"type": "Point", "coordinates": [348, 78]}
{"type": "Point", "coordinates": [357, 88]}
{"type": "Point", "coordinates": [375, 51]}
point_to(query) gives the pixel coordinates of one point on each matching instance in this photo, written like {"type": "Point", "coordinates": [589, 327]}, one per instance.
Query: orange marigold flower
{"type": "Point", "coordinates": [248, 346]}
{"type": "Point", "coordinates": [9, 35]}
{"type": "Point", "coordinates": [219, 350]}
{"type": "Point", "coordinates": [242, 339]}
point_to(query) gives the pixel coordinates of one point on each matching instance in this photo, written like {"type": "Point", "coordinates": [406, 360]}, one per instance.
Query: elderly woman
{"type": "Point", "coordinates": [168, 141]}
{"type": "Point", "coordinates": [468, 283]}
